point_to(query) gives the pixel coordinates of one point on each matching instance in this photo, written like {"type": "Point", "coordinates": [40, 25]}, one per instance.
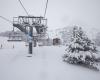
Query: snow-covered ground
{"type": "Point", "coordinates": [45, 64]}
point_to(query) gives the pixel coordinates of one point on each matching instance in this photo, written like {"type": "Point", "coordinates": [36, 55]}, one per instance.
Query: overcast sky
{"type": "Point", "coordinates": [60, 13]}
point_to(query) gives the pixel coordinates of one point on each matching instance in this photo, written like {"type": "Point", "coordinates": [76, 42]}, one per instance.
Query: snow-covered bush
{"type": "Point", "coordinates": [81, 50]}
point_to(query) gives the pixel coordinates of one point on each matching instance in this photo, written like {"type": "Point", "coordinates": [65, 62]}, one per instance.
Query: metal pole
{"type": "Point", "coordinates": [30, 42]}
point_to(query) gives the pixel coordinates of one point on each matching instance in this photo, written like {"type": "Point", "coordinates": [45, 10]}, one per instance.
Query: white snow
{"type": "Point", "coordinates": [45, 64]}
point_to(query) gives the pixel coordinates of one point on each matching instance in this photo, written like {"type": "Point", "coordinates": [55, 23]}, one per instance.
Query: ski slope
{"type": "Point", "coordinates": [45, 64]}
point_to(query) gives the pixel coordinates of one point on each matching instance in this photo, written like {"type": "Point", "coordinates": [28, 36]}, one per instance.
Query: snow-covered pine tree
{"type": "Point", "coordinates": [66, 34]}
{"type": "Point", "coordinates": [81, 50]}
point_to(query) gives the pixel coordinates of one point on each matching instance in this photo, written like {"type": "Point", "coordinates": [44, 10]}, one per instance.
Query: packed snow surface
{"type": "Point", "coordinates": [45, 64]}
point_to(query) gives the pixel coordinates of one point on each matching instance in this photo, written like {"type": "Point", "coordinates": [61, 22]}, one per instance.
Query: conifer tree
{"type": "Point", "coordinates": [81, 50]}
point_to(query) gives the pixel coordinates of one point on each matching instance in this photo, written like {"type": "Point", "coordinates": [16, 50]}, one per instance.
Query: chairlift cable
{"type": "Point", "coordinates": [46, 9]}
{"type": "Point", "coordinates": [23, 7]}
{"type": "Point", "coordinates": [6, 19]}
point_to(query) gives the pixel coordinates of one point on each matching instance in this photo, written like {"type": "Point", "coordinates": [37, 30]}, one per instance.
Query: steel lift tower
{"type": "Point", "coordinates": [26, 25]}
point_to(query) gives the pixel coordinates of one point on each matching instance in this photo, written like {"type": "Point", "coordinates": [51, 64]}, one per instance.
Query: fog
{"type": "Point", "coordinates": [60, 13]}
